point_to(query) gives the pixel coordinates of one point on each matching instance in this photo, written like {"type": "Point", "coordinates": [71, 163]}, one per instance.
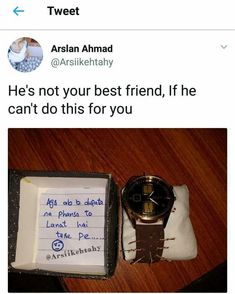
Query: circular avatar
{"type": "Point", "coordinates": [25, 54]}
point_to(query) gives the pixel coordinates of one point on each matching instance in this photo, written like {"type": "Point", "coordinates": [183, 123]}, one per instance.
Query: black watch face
{"type": "Point", "coordinates": [149, 197]}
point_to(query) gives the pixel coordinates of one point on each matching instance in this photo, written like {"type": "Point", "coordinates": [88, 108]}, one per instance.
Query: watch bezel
{"type": "Point", "coordinates": [142, 217]}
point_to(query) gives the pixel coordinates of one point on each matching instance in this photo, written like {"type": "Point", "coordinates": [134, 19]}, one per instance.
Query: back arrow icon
{"type": "Point", "coordinates": [17, 10]}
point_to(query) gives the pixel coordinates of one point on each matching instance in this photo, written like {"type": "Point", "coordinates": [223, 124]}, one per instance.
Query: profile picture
{"type": "Point", "coordinates": [25, 54]}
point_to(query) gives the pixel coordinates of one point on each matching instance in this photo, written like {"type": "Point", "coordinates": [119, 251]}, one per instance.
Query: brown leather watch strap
{"type": "Point", "coordinates": [149, 242]}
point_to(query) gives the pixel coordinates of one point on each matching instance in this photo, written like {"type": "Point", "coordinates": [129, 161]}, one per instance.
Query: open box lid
{"type": "Point", "coordinates": [63, 223]}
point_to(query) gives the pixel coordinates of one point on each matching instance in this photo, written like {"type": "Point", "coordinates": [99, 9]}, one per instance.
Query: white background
{"type": "Point", "coordinates": [146, 57]}
{"type": "Point", "coordinates": [122, 14]}
{"type": "Point", "coordinates": [194, 59]}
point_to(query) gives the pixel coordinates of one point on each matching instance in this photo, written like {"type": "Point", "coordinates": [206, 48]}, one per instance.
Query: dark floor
{"type": "Point", "coordinates": [20, 282]}
{"type": "Point", "coordinates": [214, 281]}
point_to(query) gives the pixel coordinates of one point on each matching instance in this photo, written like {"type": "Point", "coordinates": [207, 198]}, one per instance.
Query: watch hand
{"type": "Point", "coordinates": [151, 194]}
{"type": "Point", "coordinates": [154, 201]}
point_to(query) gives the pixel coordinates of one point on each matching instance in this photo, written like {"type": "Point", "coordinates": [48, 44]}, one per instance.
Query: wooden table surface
{"type": "Point", "coordinates": [196, 157]}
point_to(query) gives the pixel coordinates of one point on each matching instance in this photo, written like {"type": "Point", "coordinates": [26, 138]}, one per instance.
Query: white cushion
{"type": "Point", "coordinates": [179, 226]}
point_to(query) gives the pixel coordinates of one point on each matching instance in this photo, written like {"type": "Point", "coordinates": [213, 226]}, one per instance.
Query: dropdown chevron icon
{"type": "Point", "coordinates": [224, 46]}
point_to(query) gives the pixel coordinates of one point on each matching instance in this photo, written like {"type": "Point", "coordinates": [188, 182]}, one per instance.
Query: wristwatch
{"type": "Point", "coordinates": [148, 201]}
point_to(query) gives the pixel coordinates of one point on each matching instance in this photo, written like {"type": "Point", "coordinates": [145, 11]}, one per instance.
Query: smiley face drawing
{"type": "Point", "coordinates": [57, 245]}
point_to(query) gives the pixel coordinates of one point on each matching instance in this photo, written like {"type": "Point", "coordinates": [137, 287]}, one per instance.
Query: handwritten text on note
{"type": "Point", "coordinates": [71, 226]}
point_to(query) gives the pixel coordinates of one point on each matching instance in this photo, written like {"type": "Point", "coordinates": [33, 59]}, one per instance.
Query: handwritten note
{"type": "Point", "coordinates": [71, 226]}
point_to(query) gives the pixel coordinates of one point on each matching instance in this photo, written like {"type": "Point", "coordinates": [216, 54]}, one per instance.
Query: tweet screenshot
{"type": "Point", "coordinates": [117, 130]}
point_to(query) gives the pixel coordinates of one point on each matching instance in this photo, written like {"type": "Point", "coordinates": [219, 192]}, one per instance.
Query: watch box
{"type": "Point", "coordinates": [63, 223]}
